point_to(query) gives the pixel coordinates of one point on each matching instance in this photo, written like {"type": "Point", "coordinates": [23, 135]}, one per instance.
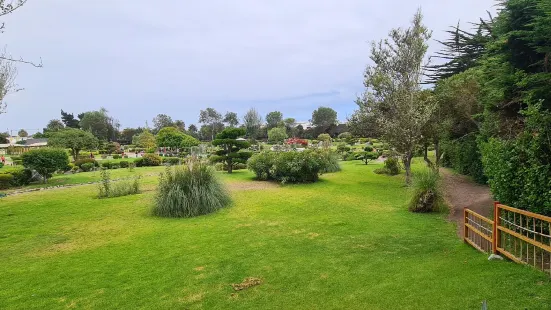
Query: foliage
{"type": "Point", "coordinates": [252, 121]}
{"type": "Point", "coordinates": [22, 133]}
{"type": "Point", "coordinates": [74, 139]}
{"type": "Point", "coordinates": [110, 189]}
{"type": "Point", "coordinates": [464, 156]}
{"type": "Point", "coordinates": [45, 161]}
{"type": "Point", "coordinates": [392, 165]}
{"type": "Point", "coordinates": [113, 148]}
{"type": "Point", "coordinates": [100, 124]}
{"type": "Point", "coordinates": [324, 137]}
{"type": "Point", "coordinates": [274, 119]}
{"type": "Point", "coordinates": [368, 155]}
{"type": "Point", "coordinates": [162, 121]}
{"type": "Point", "coordinates": [124, 164]}
{"type": "Point", "coordinates": [69, 120]}
{"type": "Point", "coordinates": [5, 181]}
{"type": "Point", "coordinates": [231, 119]}
{"type": "Point", "coordinates": [230, 148]}
{"type": "Point", "coordinates": [188, 191]}
{"type": "Point", "coordinates": [148, 160]}
{"type": "Point", "coordinates": [427, 193]}
{"type": "Point", "coordinates": [145, 140]}
{"type": "Point", "coordinates": [393, 88]}
{"type": "Point", "coordinates": [324, 117]}
{"type": "Point", "coordinates": [54, 125]}
{"type": "Point", "coordinates": [87, 167]}
{"type": "Point", "coordinates": [277, 135]}
{"type": "Point", "coordinates": [80, 162]}
{"type": "Point", "coordinates": [20, 176]}
{"type": "Point", "coordinates": [173, 138]}
{"type": "Point", "coordinates": [210, 117]}
{"type": "Point", "coordinates": [292, 167]}
{"type": "Point", "coordinates": [171, 161]}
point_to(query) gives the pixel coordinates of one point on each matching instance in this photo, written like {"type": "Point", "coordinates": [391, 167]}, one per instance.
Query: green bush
{"type": "Point", "coordinates": [392, 165]}
{"type": "Point", "coordinates": [5, 181]}
{"type": "Point", "coordinates": [17, 162]}
{"type": "Point", "coordinates": [330, 162]}
{"type": "Point", "coordinates": [21, 176]}
{"type": "Point", "coordinates": [464, 156]}
{"type": "Point", "coordinates": [106, 164]}
{"type": "Point", "coordinates": [188, 191]}
{"type": "Point", "coordinates": [80, 162]}
{"type": "Point", "coordinates": [427, 194]}
{"type": "Point", "coordinates": [1, 165]}
{"type": "Point", "coordinates": [124, 163]}
{"type": "Point", "coordinates": [46, 161]}
{"type": "Point", "coordinates": [109, 189]}
{"type": "Point", "coordinates": [87, 167]}
{"type": "Point", "coordinates": [171, 160]}
{"type": "Point", "coordinates": [149, 160]}
{"type": "Point", "coordinates": [116, 156]}
{"type": "Point", "coordinates": [292, 167]}
{"type": "Point", "coordinates": [115, 166]}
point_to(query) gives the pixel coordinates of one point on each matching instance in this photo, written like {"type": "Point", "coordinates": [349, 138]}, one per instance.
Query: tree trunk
{"type": "Point", "coordinates": [437, 153]}
{"type": "Point", "coordinates": [426, 156]}
{"type": "Point", "coordinates": [407, 165]}
{"type": "Point", "coordinates": [230, 165]}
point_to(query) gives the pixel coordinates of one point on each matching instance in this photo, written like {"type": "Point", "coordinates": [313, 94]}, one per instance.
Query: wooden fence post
{"type": "Point", "coordinates": [465, 221]}
{"type": "Point", "coordinates": [495, 239]}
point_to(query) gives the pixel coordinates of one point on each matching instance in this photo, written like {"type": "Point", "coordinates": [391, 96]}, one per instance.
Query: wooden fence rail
{"type": "Point", "coordinates": [522, 236]}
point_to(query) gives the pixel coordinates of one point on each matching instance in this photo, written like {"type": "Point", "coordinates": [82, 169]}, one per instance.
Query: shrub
{"type": "Point", "coordinates": [220, 167]}
{"type": "Point", "coordinates": [324, 137]}
{"type": "Point", "coordinates": [5, 181]}
{"type": "Point", "coordinates": [381, 171]}
{"type": "Point", "coordinates": [349, 157]}
{"type": "Point", "coordinates": [148, 160]}
{"type": "Point", "coordinates": [117, 156]}
{"type": "Point", "coordinates": [123, 163]}
{"type": "Point", "coordinates": [464, 156]}
{"type": "Point", "coordinates": [293, 167]}
{"type": "Point", "coordinates": [21, 176]}
{"type": "Point", "coordinates": [1, 165]}
{"type": "Point", "coordinates": [297, 141]}
{"type": "Point", "coordinates": [188, 191]}
{"type": "Point", "coordinates": [427, 194]}
{"type": "Point", "coordinates": [392, 165]}
{"type": "Point", "coordinates": [86, 167]}
{"type": "Point", "coordinates": [171, 160]}
{"type": "Point", "coordinates": [46, 161]}
{"type": "Point", "coordinates": [109, 189]}
{"type": "Point", "coordinates": [115, 166]}
{"type": "Point", "coordinates": [17, 162]}
{"type": "Point", "coordinates": [106, 164]}
{"type": "Point", "coordinates": [80, 162]}
{"type": "Point", "coordinates": [131, 166]}
{"type": "Point", "coordinates": [75, 169]}
{"type": "Point", "coordinates": [277, 135]}
{"type": "Point", "coordinates": [239, 166]}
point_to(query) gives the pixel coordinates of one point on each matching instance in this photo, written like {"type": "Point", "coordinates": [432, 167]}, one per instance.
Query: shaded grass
{"type": "Point", "coordinates": [347, 241]}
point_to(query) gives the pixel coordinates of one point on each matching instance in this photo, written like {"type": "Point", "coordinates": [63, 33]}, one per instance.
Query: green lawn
{"type": "Point", "coordinates": [347, 242]}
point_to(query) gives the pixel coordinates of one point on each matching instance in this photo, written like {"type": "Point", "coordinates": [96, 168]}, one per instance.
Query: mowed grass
{"type": "Point", "coordinates": [347, 242]}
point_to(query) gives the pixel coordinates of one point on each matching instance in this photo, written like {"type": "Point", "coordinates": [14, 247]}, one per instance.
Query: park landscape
{"type": "Point", "coordinates": [267, 212]}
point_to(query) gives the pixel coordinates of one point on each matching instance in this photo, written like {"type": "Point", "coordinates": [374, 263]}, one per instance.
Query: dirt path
{"type": "Point", "coordinates": [461, 192]}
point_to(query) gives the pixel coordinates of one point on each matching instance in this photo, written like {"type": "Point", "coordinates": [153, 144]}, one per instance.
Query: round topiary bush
{"type": "Point", "coordinates": [188, 191]}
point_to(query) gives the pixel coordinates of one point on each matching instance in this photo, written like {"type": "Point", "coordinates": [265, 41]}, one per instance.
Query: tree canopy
{"type": "Point", "coordinates": [74, 139]}
{"type": "Point", "coordinates": [324, 117]}
{"type": "Point", "coordinates": [229, 152]}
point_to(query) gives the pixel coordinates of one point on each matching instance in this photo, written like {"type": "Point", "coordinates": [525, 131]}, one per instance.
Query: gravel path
{"type": "Point", "coordinates": [461, 192]}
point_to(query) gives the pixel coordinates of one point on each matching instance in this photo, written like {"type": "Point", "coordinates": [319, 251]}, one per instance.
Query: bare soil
{"type": "Point", "coordinates": [461, 192]}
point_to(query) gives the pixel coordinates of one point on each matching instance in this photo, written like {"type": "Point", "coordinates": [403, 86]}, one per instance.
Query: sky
{"type": "Point", "coordinates": [140, 58]}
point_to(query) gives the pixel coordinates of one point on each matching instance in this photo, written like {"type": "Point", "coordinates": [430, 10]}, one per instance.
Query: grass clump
{"type": "Point", "coordinates": [427, 192]}
{"type": "Point", "coordinates": [109, 189]}
{"type": "Point", "coordinates": [188, 191]}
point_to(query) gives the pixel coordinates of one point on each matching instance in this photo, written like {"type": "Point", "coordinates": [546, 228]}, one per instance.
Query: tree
{"type": "Point", "coordinates": [274, 119]}
{"type": "Point", "coordinates": [74, 139]}
{"type": "Point", "coordinates": [363, 122]}
{"type": "Point", "coordinates": [54, 125]}
{"type": "Point", "coordinates": [46, 161]}
{"type": "Point", "coordinates": [324, 137]}
{"type": "Point", "coordinates": [230, 147]}
{"type": "Point", "coordinates": [192, 129]}
{"type": "Point", "coordinates": [368, 155]}
{"type": "Point", "coordinates": [23, 133]}
{"type": "Point", "coordinates": [393, 88]}
{"type": "Point", "coordinates": [161, 121]}
{"type": "Point", "coordinates": [127, 134]}
{"type": "Point", "coordinates": [277, 135]}
{"type": "Point", "coordinates": [231, 119]}
{"type": "Point", "coordinates": [324, 117]}
{"type": "Point", "coordinates": [252, 121]}
{"type": "Point", "coordinates": [180, 125]}
{"type": "Point", "coordinates": [173, 138]}
{"type": "Point", "coordinates": [4, 138]}
{"type": "Point", "coordinates": [100, 124]}
{"type": "Point", "coordinates": [145, 140]}
{"type": "Point", "coordinates": [210, 117]}
{"type": "Point", "coordinates": [69, 120]}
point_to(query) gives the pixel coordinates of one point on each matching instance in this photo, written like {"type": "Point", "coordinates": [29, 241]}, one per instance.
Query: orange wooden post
{"type": "Point", "coordinates": [465, 222]}
{"type": "Point", "coordinates": [495, 231]}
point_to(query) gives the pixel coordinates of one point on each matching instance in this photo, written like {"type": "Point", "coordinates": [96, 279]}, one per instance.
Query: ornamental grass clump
{"type": "Point", "coordinates": [427, 192]}
{"type": "Point", "coordinates": [189, 190]}
{"type": "Point", "coordinates": [109, 189]}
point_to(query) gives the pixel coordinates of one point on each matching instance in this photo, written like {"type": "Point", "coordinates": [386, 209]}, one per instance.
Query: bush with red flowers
{"type": "Point", "coordinates": [297, 141]}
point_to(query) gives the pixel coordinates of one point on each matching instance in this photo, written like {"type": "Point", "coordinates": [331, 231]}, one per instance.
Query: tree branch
{"type": "Point", "coordinates": [21, 60]}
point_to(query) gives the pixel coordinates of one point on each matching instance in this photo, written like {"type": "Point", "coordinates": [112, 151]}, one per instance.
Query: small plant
{"type": "Point", "coordinates": [123, 164]}
{"type": "Point", "coordinates": [393, 165]}
{"type": "Point", "coordinates": [109, 189]}
{"type": "Point", "coordinates": [86, 167]}
{"type": "Point", "coordinates": [80, 162]}
{"type": "Point", "coordinates": [106, 165]}
{"type": "Point", "coordinates": [427, 194]}
{"type": "Point", "coordinates": [131, 167]}
{"type": "Point", "coordinates": [116, 156]}
{"type": "Point", "coordinates": [5, 181]}
{"type": "Point", "coordinates": [188, 191]}
{"type": "Point", "coordinates": [148, 160]}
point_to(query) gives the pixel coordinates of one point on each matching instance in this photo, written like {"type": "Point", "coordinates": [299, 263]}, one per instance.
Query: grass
{"type": "Point", "coordinates": [346, 242]}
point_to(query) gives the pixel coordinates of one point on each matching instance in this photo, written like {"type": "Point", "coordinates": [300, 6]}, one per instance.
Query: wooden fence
{"type": "Point", "coordinates": [522, 236]}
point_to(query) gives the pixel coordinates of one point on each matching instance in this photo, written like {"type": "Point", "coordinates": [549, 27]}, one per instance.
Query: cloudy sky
{"type": "Point", "coordinates": [139, 58]}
